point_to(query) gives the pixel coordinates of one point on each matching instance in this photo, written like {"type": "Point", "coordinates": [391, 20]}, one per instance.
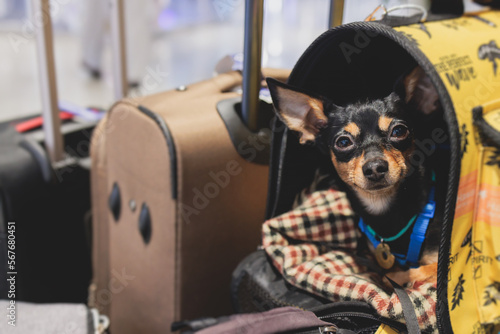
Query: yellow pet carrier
{"type": "Point", "coordinates": [461, 56]}
{"type": "Point", "coordinates": [464, 55]}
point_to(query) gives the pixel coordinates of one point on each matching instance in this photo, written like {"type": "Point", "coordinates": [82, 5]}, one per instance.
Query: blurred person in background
{"type": "Point", "coordinates": [140, 19]}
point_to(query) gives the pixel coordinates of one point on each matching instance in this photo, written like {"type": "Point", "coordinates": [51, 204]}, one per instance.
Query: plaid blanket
{"type": "Point", "coordinates": [313, 247]}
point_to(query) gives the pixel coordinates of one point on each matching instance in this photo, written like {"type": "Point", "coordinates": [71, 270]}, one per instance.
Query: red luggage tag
{"type": "Point", "coordinates": [37, 122]}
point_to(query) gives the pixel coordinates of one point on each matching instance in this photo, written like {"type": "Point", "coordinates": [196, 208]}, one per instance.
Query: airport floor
{"type": "Point", "coordinates": [184, 49]}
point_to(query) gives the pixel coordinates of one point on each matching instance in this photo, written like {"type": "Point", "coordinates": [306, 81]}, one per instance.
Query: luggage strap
{"type": "Point", "coordinates": [406, 303]}
{"type": "Point", "coordinates": [408, 308]}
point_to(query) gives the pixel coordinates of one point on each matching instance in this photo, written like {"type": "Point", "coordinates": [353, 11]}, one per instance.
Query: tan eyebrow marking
{"type": "Point", "coordinates": [353, 129]}
{"type": "Point", "coordinates": [384, 122]}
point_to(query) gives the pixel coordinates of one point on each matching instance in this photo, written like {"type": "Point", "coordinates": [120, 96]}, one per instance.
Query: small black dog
{"type": "Point", "coordinates": [371, 145]}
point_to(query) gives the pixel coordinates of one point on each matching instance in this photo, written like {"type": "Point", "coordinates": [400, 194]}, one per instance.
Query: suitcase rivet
{"type": "Point", "coordinates": [132, 204]}
{"type": "Point", "coordinates": [181, 88]}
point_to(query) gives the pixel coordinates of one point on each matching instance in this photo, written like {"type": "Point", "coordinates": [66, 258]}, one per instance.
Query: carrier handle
{"type": "Point", "coordinates": [488, 132]}
{"type": "Point", "coordinates": [447, 7]}
{"type": "Point", "coordinates": [439, 10]}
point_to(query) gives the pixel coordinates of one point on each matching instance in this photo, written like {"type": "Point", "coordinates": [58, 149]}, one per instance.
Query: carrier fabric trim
{"type": "Point", "coordinates": [171, 146]}
{"type": "Point", "coordinates": [313, 248]}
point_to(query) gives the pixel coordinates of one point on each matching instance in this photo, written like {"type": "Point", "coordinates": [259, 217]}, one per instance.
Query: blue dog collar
{"type": "Point", "coordinates": [417, 236]}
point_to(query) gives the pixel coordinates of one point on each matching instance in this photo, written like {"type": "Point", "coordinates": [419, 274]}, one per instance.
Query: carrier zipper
{"type": "Point", "coordinates": [328, 329]}
{"type": "Point", "coordinates": [349, 314]}
{"type": "Point", "coordinates": [392, 323]}
{"type": "Point", "coordinates": [384, 321]}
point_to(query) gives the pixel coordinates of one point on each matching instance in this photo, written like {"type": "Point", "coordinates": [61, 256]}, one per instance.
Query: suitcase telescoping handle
{"type": "Point", "coordinates": [254, 15]}
{"type": "Point", "coordinates": [54, 141]}
{"type": "Point", "coordinates": [118, 49]}
{"type": "Point", "coordinates": [336, 13]}
{"type": "Point", "coordinates": [50, 111]}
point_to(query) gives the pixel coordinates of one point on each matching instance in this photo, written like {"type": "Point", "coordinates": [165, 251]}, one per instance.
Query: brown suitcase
{"type": "Point", "coordinates": [178, 200]}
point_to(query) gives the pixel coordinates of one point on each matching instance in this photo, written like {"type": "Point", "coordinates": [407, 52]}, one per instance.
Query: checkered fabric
{"type": "Point", "coordinates": [313, 247]}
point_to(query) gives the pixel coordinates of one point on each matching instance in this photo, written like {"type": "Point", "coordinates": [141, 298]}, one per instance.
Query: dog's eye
{"type": "Point", "coordinates": [343, 142]}
{"type": "Point", "coordinates": [399, 132]}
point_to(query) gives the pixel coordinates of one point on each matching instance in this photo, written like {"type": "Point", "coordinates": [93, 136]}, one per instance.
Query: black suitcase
{"type": "Point", "coordinates": [45, 198]}
{"type": "Point", "coordinates": [42, 214]}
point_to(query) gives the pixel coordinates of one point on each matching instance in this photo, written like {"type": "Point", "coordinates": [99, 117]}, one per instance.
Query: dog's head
{"type": "Point", "coordinates": [370, 143]}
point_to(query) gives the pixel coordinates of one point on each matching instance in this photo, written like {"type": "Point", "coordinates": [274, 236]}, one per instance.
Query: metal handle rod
{"type": "Point", "coordinates": [119, 56]}
{"type": "Point", "coordinates": [336, 13]}
{"type": "Point", "coordinates": [45, 52]}
{"type": "Point", "coordinates": [254, 15]}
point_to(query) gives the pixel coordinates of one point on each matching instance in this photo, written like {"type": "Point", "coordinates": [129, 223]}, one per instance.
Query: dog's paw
{"type": "Point", "coordinates": [421, 275]}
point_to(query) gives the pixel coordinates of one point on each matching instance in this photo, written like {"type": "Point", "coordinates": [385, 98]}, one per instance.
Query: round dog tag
{"type": "Point", "coordinates": [384, 256]}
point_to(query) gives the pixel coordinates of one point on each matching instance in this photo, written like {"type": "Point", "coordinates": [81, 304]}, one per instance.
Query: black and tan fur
{"type": "Point", "coordinates": [371, 145]}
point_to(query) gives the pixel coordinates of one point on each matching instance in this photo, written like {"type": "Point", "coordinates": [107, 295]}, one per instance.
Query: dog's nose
{"type": "Point", "coordinates": [375, 170]}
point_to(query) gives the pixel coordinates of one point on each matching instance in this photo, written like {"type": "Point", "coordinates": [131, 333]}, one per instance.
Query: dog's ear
{"type": "Point", "coordinates": [299, 111]}
{"type": "Point", "coordinates": [420, 92]}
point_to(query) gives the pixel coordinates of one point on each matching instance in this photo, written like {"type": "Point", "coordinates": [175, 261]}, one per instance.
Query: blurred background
{"type": "Point", "coordinates": [176, 42]}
